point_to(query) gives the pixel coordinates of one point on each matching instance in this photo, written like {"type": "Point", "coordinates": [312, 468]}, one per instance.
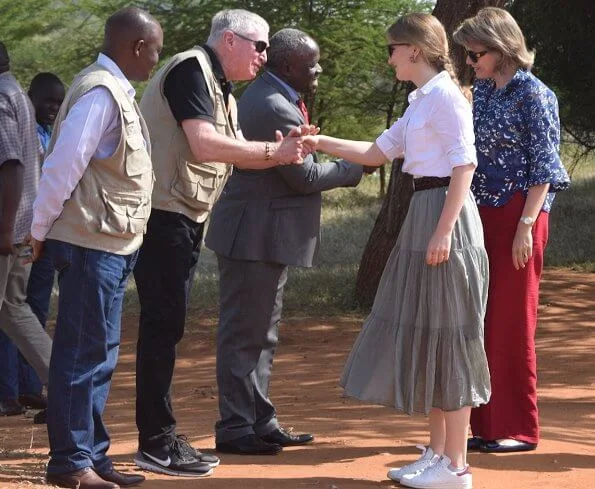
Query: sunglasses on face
{"type": "Point", "coordinates": [475, 55]}
{"type": "Point", "coordinates": [260, 46]}
{"type": "Point", "coordinates": [392, 46]}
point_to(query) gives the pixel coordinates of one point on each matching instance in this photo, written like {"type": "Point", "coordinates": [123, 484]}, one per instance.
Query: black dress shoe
{"type": "Point", "coordinates": [248, 445]}
{"type": "Point", "coordinates": [33, 401]}
{"type": "Point", "coordinates": [122, 479]}
{"type": "Point", "coordinates": [285, 439]}
{"type": "Point", "coordinates": [11, 407]}
{"type": "Point", "coordinates": [474, 443]}
{"type": "Point", "coordinates": [85, 478]}
{"type": "Point", "coordinates": [492, 446]}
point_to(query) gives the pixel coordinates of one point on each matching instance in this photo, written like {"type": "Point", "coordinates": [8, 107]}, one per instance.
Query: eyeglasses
{"type": "Point", "coordinates": [392, 46]}
{"type": "Point", "coordinates": [475, 55]}
{"type": "Point", "coordinates": [260, 46]}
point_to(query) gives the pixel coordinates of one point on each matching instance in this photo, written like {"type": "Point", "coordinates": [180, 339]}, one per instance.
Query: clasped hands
{"type": "Point", "coordinates": [299, 143]}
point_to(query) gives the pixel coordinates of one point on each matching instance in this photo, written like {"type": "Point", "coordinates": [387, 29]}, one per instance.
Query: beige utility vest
{"type": "Point", "coordinates": [109, 208]}
{"type": "Point", "coordinates": [182, 183]}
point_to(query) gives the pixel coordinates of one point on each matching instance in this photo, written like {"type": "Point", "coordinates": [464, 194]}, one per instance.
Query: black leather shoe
{"type": "Point", "coordinates": [85, 478]}
{"type": "Point", "coordinates": [122, 479]}
{"type": "Point", "coordinates": [248, 445]}
{"type": "Point", "coordinates": [493, 446]}
{"type": "Point", "coordinates": [285, 439]}
{"type": "Point", "coordinates": [474, 443]}
{"type": "Point", "coordinates": [11, 407]}
{"type": "Point", "coordinates": [33, 401]}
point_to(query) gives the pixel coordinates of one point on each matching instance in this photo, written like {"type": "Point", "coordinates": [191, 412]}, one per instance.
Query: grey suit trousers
{"type": "Point", "coordinates": [17, 319]}
{"type": "Point", "coordinates": [251, 299]}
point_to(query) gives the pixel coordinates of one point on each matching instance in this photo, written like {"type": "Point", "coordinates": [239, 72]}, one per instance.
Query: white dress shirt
{"type": "Point", "coordinates": [435, 133]}
{"type": "Point", "coordinates": [91, 129]}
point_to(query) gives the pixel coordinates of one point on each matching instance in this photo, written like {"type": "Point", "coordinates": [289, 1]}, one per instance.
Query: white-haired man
{"type": "Point", "coordinates": [192, 118]}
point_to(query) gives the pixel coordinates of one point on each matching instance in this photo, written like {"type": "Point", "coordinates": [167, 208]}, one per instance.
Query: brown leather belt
{"type": "Point", "coordinates": [426, 183]}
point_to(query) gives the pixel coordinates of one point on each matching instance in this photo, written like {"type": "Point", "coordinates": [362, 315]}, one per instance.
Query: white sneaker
{"type": "Point", "coordinates": [427, 458]}
{"type": "Point", "coordinates": [439, 476]}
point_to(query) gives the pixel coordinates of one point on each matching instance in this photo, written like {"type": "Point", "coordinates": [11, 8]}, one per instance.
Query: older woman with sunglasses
{"type": "Point", "coordinates": [517, 134]}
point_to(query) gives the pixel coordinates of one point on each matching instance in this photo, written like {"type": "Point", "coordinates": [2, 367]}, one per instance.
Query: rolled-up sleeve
{"type": "Point", "coordinates": [390, 142]}
{"type": "Point", "coordinates": [452, 120]}
{"type": "Point", "coordinates": [543, 141]}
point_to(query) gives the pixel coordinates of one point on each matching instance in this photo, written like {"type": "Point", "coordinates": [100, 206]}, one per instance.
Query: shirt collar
{"type": "Point", "coordinates": [427, 87]}
{"type": "Point", "coordinates": [293, 94]}
{"type": "Point", "coordinates": [226, 85]}
{"type": "Point", "coordinates": [115, 70]}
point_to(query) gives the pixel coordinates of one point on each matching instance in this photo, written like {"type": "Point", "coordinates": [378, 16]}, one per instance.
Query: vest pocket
{"type": "Point", "coordinates": [197, 185]}
{"type": "Point", "coordinates": [126, 213]}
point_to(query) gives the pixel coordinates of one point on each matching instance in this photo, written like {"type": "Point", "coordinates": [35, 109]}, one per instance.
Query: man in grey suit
{"type": "Point", "coordinates": [265, 221]}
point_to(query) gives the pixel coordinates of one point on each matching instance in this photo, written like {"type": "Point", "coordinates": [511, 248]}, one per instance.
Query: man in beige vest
{"type": "Point", "coordinates": [89, 216]}
{"type": "Point", "coordinates": [192, 118]}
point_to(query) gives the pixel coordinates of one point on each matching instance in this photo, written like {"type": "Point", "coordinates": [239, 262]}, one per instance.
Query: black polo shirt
{"type": "Point", "coordinates": [186, 90]}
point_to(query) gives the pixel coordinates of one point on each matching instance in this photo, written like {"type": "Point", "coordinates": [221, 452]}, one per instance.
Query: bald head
{"type": "Point", "coordinates": [127, 24]}
{"type": "Point", "coordinates": [133, 39]}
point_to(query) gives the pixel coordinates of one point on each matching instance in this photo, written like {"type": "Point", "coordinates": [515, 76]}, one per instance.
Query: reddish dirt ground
{"type": "Point", "coordinates": [355, 443]}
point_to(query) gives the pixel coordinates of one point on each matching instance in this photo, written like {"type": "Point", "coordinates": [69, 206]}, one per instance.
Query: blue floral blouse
{"type": "Point", "coordinates": [517, 136]}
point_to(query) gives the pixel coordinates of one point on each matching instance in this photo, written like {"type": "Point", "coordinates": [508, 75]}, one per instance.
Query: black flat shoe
{"type": "Point", "coordinates": [474, 443]}
{"type": "Point", "coordinates": [285, 439]}
{"type": "Point", "coordinates": [248, 445]}
{"type": "Point", "coordinates": [493, 446]}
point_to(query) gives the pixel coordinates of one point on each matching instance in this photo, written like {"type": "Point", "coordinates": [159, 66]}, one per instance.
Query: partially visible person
{"type": "Point", "coordinates": [421, 348]}
{"type": "Point", "coordinates": [20, 159]}
{"type": "Point", "coordinates": [192, 118]}
{"type": "Point", "coordinates": [18, 379]}
{"type": "Point", "coordinates": [91, 225]}
{"type": "Point", "coordinates": [517, 130]}
{"type": "Point", "coordinates": [265, 221]}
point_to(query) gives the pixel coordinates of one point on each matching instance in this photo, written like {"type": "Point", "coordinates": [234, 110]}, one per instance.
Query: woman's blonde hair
{"type": "Point", "coordinates": [497, 30]}
{"type": "Point", "coordinates": [427, 33]}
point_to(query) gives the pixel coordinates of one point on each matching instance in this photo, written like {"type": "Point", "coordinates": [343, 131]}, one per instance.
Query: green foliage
{"type": "Point", "coordinates": [356, 87]}
{"type": "Point", "coordinates": [564, 40]}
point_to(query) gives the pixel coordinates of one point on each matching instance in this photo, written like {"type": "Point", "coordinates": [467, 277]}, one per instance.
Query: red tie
{"type": "Point", "coordinates": [302, 106]}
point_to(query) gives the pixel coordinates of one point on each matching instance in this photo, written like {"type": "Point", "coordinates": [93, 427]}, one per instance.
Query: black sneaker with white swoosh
{"type": "Point", "coordinates": [172, 460]}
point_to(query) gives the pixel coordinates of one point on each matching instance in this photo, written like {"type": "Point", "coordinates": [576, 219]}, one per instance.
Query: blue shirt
{"type": "Point", "coordinates": [517, 136]}
{"type": "Point", "coordinates": [45, 134]}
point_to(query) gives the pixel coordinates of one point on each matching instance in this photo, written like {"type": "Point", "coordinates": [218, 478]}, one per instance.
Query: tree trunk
{"type": "Point", "coordinates": [394, 206]}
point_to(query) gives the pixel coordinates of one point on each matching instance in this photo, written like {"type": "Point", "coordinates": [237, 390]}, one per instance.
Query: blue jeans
{"type": "Point", "coordinates": [84, 354]}
{"type": "Point", "coordinates": [17, 377]}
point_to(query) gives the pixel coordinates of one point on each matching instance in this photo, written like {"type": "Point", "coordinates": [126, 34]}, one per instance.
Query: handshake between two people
{"type": "Point", "coordinates": [305, 139]}
{"type": "Point", "coordinates": [299, 142]}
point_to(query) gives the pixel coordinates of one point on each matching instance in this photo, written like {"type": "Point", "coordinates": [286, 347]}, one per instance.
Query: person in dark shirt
{"type": "Point", "coordinates": [192, 119]}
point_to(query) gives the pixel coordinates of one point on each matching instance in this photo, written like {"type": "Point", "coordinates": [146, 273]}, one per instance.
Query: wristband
{"type": "Point", "coordinates": [267, 151]}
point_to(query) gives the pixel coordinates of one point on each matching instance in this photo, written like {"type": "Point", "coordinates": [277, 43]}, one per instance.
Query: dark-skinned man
{"type": "Point", "coordinates": [264, 222]}
{"type": "Point", "coordinates": [89, 216]}
{"type": "Point", "coordinates": [20, 386]}
{"type": "Point", "coordinates": [19, 178]}
{"type": "Point", "coordinates": [192, 118]}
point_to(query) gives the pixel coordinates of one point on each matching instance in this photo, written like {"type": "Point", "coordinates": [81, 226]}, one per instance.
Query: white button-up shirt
{"type": "Point", "coordinates": [435, 133]}
{"type": "Point", "coordinates": [91, 129]}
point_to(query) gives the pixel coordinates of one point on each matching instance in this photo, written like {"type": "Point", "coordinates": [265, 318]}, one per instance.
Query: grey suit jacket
{"type": "Point", "coordinates": [274, 215]}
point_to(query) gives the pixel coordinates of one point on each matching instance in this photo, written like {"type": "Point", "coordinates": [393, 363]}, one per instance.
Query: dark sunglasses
{"type": "Point", "coordinates": [392, 46]}
{"type": "Point", "coordinates": [260, 46]}
{"type": "Point", "coordinates": [475, 55]}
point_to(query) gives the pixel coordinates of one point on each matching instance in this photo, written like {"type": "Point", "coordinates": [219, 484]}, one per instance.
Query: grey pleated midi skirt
{"type": "Point", "coordinates": [422, 344]}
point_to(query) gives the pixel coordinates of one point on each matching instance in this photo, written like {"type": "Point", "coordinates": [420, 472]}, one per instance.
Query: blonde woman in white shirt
{"type": "Point", "coordinates": [421, 348]}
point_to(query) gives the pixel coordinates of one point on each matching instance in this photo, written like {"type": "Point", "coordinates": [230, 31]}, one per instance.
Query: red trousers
{"type": "Point", "coordinates": [510, 324]}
